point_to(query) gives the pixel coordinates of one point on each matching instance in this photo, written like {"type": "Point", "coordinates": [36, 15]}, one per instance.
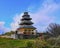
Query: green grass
{"type": "Point", "coordinates": [13, 43]}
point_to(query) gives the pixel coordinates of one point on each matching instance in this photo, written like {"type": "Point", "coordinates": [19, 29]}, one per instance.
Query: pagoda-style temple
{"type": "Point", "coordinates": [26, 30]}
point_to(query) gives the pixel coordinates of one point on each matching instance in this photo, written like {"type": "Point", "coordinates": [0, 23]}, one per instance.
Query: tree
{"type": "Point", "coordinates": [9, 33]}
{"type": "Point", "coordinates": [53, 30]}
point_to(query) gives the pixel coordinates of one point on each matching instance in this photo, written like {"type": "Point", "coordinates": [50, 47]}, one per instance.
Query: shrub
{"type": "Point", "coordinates": [38, 44]}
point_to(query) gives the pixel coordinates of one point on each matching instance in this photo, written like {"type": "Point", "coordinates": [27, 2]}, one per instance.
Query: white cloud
{"type": "Point", "coordinates": [16, 21]}
{"type": "Point", "coordinates": [3, 29]}
{"type": "Point", "coordinates": [40, 17]}
{"type": "Point", "coordinates": [2, 23]}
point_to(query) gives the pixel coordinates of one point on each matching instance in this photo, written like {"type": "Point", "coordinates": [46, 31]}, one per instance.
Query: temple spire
{"type": "Point", "coordinates": [26, 20]}
{"type": "Point", "coordinates": [25, 13]}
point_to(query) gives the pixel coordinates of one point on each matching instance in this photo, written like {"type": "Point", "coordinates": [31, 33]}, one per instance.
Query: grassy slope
{"type": "Point", "coordinates": [13, 43]}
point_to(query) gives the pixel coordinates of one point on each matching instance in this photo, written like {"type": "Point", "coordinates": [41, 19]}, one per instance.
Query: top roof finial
{"type": "Point", "coordinates": [25, 13]}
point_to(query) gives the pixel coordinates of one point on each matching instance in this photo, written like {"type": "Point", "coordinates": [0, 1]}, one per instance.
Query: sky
{"type": "Point", "coordinates": [42, 12]}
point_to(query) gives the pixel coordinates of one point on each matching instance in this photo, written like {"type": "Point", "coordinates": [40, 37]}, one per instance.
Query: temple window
{"type": "Point", "coordinates": [29, 30]}
{"type": "Point", "coordinates": [32, 32]}
{"type": "Point", "coordinates": [25, 30]}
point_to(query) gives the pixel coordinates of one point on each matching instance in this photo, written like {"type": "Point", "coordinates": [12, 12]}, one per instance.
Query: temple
{"type": "Point", "coordinates": [26, 29]}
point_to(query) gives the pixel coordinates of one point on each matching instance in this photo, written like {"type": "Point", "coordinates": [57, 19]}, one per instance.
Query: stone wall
{"type": "Point", "coordinates": [22, 36]}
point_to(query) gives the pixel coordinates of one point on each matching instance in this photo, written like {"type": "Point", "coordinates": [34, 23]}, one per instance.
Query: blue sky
{"type": "Point", "coordinates": [8, 8]}
{"type": "Point", "coordinates": [43, 12]}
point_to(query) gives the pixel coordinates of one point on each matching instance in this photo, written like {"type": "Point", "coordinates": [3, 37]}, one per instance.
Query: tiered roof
{"type": "Point", "coordinates": [26, 21]}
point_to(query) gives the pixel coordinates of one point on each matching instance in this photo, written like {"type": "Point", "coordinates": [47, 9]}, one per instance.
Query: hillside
{"type": "Point", "coordinates": [13, 43]}
{"type": "Point", "coordinates": [30, 43]}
